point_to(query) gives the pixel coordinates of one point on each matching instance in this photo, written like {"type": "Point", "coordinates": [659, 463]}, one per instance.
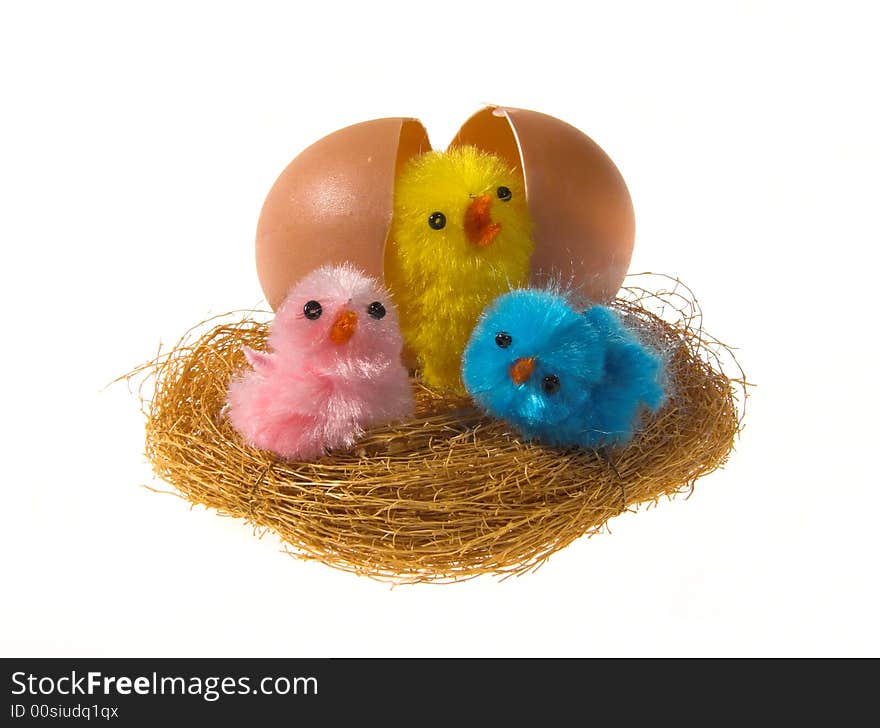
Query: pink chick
{"type": "Point", "coordinates": [333, 368]}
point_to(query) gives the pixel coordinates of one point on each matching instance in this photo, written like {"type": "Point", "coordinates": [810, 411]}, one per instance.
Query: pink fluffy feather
{"type": "Point", "coordinates": [325, 378]}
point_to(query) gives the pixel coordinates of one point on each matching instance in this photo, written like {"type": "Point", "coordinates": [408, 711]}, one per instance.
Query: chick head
{"type": "Point", "coordinates": [464, 207]}
{"type": "Point", "coordinates": [336, 312]}
{"type": "Point", "coordinates": [533, 360]}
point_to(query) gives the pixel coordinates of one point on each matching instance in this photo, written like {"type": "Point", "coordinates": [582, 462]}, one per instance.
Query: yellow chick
{"type": "Point", "coordinates": [461, 235]}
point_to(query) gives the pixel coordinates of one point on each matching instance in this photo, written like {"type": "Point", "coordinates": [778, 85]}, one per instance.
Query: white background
{"type": "Point", "coordinates": [137, 142]}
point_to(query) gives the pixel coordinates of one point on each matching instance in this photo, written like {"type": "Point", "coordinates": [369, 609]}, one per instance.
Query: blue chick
{"type": "Point", "coordinates": [558, 376]}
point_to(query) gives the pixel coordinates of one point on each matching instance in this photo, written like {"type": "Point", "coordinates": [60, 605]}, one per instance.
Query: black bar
{"type": "Point", "coordinates": [415, 692]}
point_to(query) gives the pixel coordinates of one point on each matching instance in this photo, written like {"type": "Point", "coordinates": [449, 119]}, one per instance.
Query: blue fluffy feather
{"type": "Point", "coordinates": [606, 376]}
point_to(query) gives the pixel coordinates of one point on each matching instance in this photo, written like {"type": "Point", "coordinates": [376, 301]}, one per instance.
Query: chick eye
{"type": "Point", "coordinates": [551, 384]}
{"type": "Point", "coordinates": [503, 339]}
{"type": "Point", "coordinates": [504, 194]}
{"type": "Point", "coordinates": [376, 310]}
{"type": "Point", "coordinates": [437, 220]}
{"type": "Point", "coordinates": [312, 310]}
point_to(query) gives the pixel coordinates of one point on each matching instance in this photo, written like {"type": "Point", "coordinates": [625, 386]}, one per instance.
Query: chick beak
{"type": "Point", "coordinates": [478, 225]}
{"type": "Point", "coordinates": [343, 326]}
{"type": "Point", "coordinates": [522, 369]}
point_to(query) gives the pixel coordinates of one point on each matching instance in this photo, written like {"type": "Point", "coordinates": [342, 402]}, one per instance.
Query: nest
{"type": "Point", "coordinates": [449, 494]}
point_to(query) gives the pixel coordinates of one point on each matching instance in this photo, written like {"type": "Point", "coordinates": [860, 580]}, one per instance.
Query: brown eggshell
{"type": "Point", "coordinates": [333, 203]}
{"type": "Point", "coordinates": [584, 225]}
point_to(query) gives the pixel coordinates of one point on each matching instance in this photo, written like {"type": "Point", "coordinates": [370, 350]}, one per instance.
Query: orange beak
{"type": "Point", "coordinates": [522, 369]}
{"type": "Point", "coordinates": [478, 225]}
{"type": "Point", "coordinates": [343, 327]}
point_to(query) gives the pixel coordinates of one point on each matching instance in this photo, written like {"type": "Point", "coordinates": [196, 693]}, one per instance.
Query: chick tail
{"type": "Point", "coordinates": [259, 360]}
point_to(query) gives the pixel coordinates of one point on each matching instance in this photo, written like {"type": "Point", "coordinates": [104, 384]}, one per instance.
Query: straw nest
{"type": "Point", "coordinates": [449, 494]}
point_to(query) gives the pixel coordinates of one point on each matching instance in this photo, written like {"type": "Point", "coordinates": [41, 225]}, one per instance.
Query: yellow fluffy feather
{"type": "Point", "coordinates": [442, 276]}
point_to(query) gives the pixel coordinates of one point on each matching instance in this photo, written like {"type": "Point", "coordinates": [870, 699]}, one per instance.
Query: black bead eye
{"type": "Point", "coordinates": [312, 310]}
{"type": "Point", "coordinates": [503, 339]}
{"type": "Point", "coordinates": [437, 220]}
{"type": "Point", "coordinates": [504, 194]}
{"type": "Point", "coordinates": [376, 310]}
{"type": "Point", "coordinates": [551, 384]}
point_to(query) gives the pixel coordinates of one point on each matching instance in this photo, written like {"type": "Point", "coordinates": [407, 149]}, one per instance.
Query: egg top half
{"type": "Point", "coordinates": [334, 203]}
